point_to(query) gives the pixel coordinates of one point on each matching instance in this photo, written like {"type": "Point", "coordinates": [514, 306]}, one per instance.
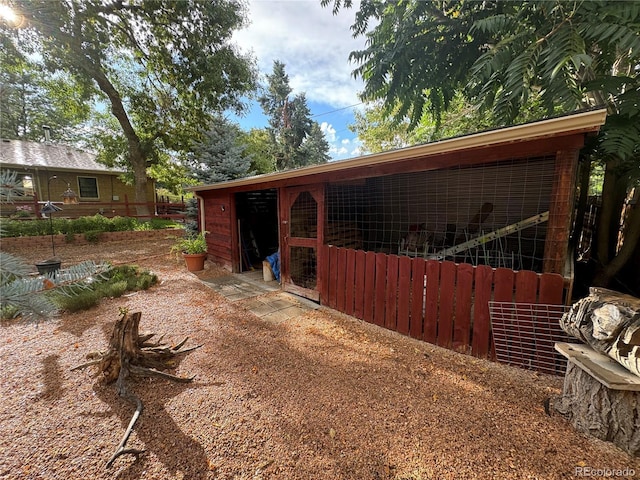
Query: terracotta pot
{"type": "Point", "coordinates": [194, 261]}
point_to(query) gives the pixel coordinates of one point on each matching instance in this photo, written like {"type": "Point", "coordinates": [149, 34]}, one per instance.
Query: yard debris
{"type": "Point", "coordinates": [133, 354]}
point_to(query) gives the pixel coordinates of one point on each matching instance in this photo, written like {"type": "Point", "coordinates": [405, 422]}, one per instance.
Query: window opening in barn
{"type": "Point", "coordinates": [257, 213]}
{"type": "Point", "coordinates": [304, 216]}
{"type": "Point", "coordinates": [492, 214]}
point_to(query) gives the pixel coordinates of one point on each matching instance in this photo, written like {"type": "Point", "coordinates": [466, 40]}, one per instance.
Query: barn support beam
{"type": "Point", "coordinates": [560, 211]}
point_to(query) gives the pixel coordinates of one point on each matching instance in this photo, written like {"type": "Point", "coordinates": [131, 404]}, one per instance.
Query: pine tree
{"type": "Point", "coordinates": [314, 148]}
{"type": "Point", "coordinates": [219, 157]}
{"type": "Point", "coordinates": [290, 123]}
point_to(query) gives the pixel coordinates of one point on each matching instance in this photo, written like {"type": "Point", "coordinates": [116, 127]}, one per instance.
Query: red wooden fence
{"type": "Point", "coordinates": [443, 303]}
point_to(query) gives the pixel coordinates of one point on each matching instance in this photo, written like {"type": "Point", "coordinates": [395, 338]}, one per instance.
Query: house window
{"type": "Point", "coordinates": [88, 187]}
{"type": "Point", "coordinates": [26, 182]}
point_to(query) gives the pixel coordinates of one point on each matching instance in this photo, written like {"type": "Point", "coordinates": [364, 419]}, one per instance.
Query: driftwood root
{"type": "Point", "coordinates": [131, 354]}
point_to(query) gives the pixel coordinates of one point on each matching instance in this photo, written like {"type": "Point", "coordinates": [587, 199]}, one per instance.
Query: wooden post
{"type": "Point", "coordinates": [560, 211]}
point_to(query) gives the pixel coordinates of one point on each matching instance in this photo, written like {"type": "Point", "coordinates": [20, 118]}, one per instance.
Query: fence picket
{"type": "Point", "coordinates": [333, 276]}
{"type": "Point", "coordinates": [369, 285]}
{"type": "Point", "coordinates": [381, 286]}
{"type": "Point", "coordinates": [391, 295]}
{"type": "Point", "coordinates": [417, 320]}
{"type": "Point", "coordinates": [481, 337]}
{"type": "Point", "coordinates": [404, 290]}
{"type": "Point", "coordinates": [447, 303]}
{"type": "Point", "coordinates": [350, 282]}
{"type": "Point", "coordinates": [358, 307]}
{"type": "Point", "coordinates": [462, 320]}
{"type": "Point", "coordinates": [431, 301]}
{"type": "Point", "coordinates": [341, 281]}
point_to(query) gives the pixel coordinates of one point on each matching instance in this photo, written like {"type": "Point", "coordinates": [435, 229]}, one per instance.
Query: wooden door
{"type": "Point", "coordinates": [302, 217]}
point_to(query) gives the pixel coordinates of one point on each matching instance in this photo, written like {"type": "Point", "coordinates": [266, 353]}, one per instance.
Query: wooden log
{"type": "Point", "coordinates": [594, 409]}
{"type": "Point", "coordinates": [609, 322]}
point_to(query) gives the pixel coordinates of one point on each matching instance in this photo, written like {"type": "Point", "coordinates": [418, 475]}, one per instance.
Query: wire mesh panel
{"type": "Point", "coordinates": [304, 216]}
{"type": "Point", "coordinates": [480, 215]}
{"type": "Point", "coordinates": [303, 267]}
{"type": "Point", "coordinates": [524, 335]}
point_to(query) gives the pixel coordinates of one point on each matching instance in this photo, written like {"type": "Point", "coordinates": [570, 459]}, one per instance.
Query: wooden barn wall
{"type": "Point", "coordinates": [443, 303]}
{"type": "Point", "coordinates": [218, 221]}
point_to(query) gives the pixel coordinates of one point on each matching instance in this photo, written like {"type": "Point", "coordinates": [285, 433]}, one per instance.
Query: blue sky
{"type": "Point", "coordinates": [314, 45]}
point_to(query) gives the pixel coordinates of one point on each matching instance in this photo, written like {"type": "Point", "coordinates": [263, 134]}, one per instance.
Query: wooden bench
{"type": "Point", "coordinates": [604, 369]}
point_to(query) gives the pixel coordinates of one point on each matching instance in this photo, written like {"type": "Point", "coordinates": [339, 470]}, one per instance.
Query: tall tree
{"type": "Point", "coordinates": [219, 156]}
{"type": "Point", "coordinates": [314, 149]}
{"type": "Point", "coordinates": [258, 147]}
{"type": "Point", "coordinates": [30, 98]}
{"type": "Point", "coordinates": [502, 54]}
{"type": "Point", "coordinates": [290, 122]}
{"type": "Point", "coordinates": [163, 66]}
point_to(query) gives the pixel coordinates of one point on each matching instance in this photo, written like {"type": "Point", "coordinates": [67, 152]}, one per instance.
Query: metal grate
{"type": "Point", "coordinates": [438, 209]}
{"type": "Point", "coordinates": [524, 335]}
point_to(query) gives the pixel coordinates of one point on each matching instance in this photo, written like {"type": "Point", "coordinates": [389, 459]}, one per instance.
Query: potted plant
{"type": "Point", "coordinates": [193, 249]}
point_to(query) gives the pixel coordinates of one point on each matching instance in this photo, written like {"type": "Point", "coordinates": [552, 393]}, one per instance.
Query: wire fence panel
{"type": "Point", "coordinates": [447, 304]}
{"type": "Point", "coordinates": [524, 335]}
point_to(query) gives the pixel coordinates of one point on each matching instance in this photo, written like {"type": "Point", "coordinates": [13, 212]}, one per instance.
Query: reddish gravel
{"type": "Point", "coordinates": [323, 396]}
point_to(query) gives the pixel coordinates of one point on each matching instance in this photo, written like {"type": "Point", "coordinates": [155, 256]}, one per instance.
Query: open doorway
{"type": "Point", "coordinates": [257, 214]}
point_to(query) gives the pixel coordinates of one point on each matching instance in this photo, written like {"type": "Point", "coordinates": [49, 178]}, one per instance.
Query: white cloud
{"type": "Point", "coordinates": [313, 44]}
{"type": "Point", "coordinates": [346, 141]}
{"type": "Point", "coordinates": [329, 132]}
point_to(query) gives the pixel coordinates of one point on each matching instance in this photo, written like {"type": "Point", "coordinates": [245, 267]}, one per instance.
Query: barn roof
{"type": "Point", "coordinates": [583, 122]}
{"type": "Point", "coordinates": [20, 153]}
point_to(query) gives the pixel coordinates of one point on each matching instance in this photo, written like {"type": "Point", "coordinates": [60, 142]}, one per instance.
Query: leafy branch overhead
{"type": "Point", "coordinates": [508, 58]}
{"type": "Point", "coordinates": [163, 67]}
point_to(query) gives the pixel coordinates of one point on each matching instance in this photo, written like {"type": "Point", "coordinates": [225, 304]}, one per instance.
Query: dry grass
{"type": "Point", "coordinates": [323, 396]}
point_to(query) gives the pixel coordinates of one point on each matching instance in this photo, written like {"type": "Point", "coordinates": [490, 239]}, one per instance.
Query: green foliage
{"type": "Point", "coordinates": [290, 124]}
{"type": "Point", "coordinates": [93, 236]}
{"type": "Point", "coordinates": [219, 156]}
{"type": "Point", "coordinates": [30, 296]}
{"type": "Point", "coordinates": [163, 67]}
{"type": "Point", "coordinates": [257, 145]}
{"type": "Point", "coordinates": [31, 98]}
{"type": "Point", "coordinates": [113, 284]}
{"type": "Point", "coordinates": [91, 225]}
{"type": "Point", "coordinates": [191, 244]}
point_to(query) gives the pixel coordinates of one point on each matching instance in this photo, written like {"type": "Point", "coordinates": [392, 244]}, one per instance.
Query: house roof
{"type": "Point", "coordinates": [583, 122]}
{"type": "Point", "coordinates": [20, 153]}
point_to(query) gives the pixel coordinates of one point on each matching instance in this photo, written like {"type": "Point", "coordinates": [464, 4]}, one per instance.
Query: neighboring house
{"type": "Point", "coordinates": [98, 188]}
{"type": "Point", "coordinates": [416, 239]}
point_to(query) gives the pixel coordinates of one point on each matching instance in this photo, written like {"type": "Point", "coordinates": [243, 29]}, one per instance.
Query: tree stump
{"type": "Point", "coordinates": [595, 409]}
{"type": "Point", "coordinates": [601, 393]}
{"type": "Point", "coordinates": [133, 355]}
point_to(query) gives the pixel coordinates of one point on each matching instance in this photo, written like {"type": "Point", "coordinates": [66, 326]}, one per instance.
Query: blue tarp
{"type": "Point", "coordinates": [274, 261]}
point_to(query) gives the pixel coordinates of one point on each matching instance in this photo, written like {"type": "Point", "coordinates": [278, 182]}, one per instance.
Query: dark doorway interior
{"type": "Point", "coordinates": [257, 214]}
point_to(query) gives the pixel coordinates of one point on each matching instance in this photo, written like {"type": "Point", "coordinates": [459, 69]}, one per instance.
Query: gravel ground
{"type": "Point", "coordinates": [323, 396]}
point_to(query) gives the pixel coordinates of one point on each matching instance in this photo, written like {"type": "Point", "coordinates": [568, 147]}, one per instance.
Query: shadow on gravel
{"type": "Point", "coordinates": [155, 431]}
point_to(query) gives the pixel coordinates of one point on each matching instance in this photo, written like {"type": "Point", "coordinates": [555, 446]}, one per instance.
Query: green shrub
{"type": "Point", "coordinates": [113, 284]}
{"type": "Point", "coordinates": [92, 236]}
{"type": "Point", "coordinates": [28, 228]}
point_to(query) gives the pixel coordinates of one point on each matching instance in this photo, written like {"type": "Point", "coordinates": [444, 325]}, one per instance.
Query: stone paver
{"type": "Point", "coordinates": [257, 296]}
